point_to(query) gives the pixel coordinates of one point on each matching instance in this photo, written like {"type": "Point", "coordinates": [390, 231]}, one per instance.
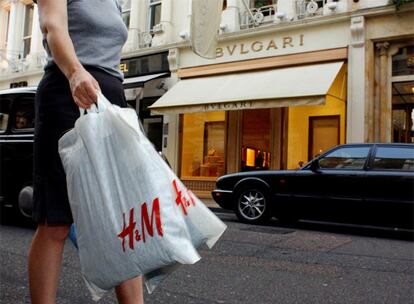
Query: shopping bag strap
{"type": "Point", "coordinates": [99, 106]}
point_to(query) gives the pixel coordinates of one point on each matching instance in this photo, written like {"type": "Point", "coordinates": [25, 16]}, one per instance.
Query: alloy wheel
{"type": "Point", "coordinates": [252, 204]}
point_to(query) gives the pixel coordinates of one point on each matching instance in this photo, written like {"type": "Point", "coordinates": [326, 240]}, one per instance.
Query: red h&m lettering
{"type": "Point", "coordinates": [128, 231]}
{"type": "Point", "coordinates": [181, 200]}
{"type": "Point", "coordinates": [147, 225]}
{"type": "Point", "coordinates": [145, 222]}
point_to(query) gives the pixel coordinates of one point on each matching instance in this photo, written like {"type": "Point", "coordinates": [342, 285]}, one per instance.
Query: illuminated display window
{"type": "Point", "coordinates": [255, 154]}
{"type": "Point", "coordinates": [203, 145]}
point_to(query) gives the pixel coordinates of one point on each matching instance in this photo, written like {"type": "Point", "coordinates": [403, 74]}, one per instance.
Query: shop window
{"type": "Point", "coordinates": [27, 33]}
{"type": "Point", "coordinates": [323, 134]}
{"type": "Point", "coordinates": [394, 158]}
{"type": "Point", "coordinates": [255, 153]}
{"type": "Point", "coordinates": [154, 13]}
{"type": "Point", "coordinates": [126, 11]}
{"type": "Point", "coordinates": [203, 145]}
{"type": "Point", "coordinates": [403, 95]}
{"type": "Point", "coordinates": [403, 62]}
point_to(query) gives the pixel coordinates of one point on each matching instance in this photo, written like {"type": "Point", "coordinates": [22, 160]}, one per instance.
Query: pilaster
{"type": "Point", "coordinates": [356, 82]}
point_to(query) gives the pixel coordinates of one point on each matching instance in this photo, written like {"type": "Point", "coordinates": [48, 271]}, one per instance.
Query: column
{"type": "Point", "coordinates": [355, 125]}
{"type": "Point", "coordinates": [36, 47]}
{"type": "Point", "coordinates": [134, 27]}
{"type": "Point", "coordinates": [165, 36]}
{"type": "Point", "coordinates": [230, 17]}
{"type": "Point", "coordinates": [384, 102]}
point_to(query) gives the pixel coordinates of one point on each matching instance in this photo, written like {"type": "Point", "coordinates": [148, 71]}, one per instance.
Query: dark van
{"type": "Point", "coordinates": [16, 148]}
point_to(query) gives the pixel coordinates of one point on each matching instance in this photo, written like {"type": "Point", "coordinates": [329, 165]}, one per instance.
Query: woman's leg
{"type": "Point", "coordinates": [45, 259]}
{"type": "Point", "coordinates": [130, 292]}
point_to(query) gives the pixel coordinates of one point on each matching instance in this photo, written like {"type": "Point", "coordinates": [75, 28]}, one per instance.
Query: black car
{"type": "Point", "coordinates": [17, 118]}
{"type": "Point", "coordinates": [367, 184]}
{"type": "Point", "coordinates": [16, 148]}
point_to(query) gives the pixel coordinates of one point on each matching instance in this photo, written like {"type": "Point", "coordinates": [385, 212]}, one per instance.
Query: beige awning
{"type": "Point", "coordinates": [293, 86]}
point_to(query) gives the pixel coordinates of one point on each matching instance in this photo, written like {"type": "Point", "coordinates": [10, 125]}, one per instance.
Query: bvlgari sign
{"type": "Point", "coordinates": [261, 46]}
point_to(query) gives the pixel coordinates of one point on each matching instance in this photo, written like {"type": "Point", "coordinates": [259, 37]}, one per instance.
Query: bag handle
{"type": "Point", "coordinates": [99, 106]}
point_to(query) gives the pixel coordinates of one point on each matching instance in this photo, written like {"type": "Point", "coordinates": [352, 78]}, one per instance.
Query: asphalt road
{"type": "Point", "coordinates": [308, 263]}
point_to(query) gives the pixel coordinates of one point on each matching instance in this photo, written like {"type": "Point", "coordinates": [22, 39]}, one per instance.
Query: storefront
{"type": "Point", "coordinates": [144, 83]}
{"type": "Point", "coordinates": [390, 95]}
{"type": "Point", "coordinates": [257, 112]}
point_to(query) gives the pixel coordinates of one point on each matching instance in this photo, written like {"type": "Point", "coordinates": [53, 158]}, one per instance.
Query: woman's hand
{"type": "Point", "coordinates": [84, 88]}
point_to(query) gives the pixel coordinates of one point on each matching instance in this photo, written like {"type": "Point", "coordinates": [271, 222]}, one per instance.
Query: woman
{"type": "Point", "coordinates": [83, 39]}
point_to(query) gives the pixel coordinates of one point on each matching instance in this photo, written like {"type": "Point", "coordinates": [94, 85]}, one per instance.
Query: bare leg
{"type": "Point", "coordinates": [130, 292]}
{"type": "Point", "coordinates": [45, 259]}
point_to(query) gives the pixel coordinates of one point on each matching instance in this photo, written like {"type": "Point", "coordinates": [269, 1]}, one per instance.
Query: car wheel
{"type": "Point", "coordinates": [25, 203]}
{"type": "Point", "coordinates": [252, 205]}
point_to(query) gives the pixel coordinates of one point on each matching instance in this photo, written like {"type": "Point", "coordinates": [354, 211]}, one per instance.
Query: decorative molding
{"type": "Point", "coordinates": [382, 48]}
{"type": "Point", "coordinates": [265, 63]}
{"type": "Point", "coordinates": [173, 59]}
{"type": "Point", "coordinates": [358, 31]}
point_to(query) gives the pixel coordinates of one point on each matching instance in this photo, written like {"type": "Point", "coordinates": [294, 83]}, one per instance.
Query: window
{"type": "Point", "coordinates": [345, 158]}
{"type": "Point", "coordinates": [27, 34]}
{"type": "Point", "coordinates": [154, 13]}
{"type": "Point", "coordinates": [24, 114]}
{"type": "Point", "coordinates": [403, 62]}
{"type": "Point", "coordinates": [263, 6]}
{"type": "Point", "coordinates": [394, 158]}
{"type": "Point", "coordinates": [256, 129]}
{"type": "Point", "coordinates": [403, 95]}
{"type": "Point", "coordinates": [126, 11]}
{"type": "Point", "coordinates": [203, 145]}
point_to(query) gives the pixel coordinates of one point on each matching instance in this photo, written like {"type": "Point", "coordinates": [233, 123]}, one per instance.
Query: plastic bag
{"type": "Point", "coordinates": [132, 214]}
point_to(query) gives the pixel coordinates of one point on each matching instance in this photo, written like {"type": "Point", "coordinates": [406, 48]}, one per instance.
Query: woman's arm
{"type": "Point", "coordinates": [54, 24]}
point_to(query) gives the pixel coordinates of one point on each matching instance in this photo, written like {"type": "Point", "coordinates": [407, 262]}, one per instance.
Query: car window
{"type": "Point", "coordinates": [4, 113]}
{"type": "Point", "coordinates": [23, 114]}
{"type": "Point", "coordinates": [394, 158]}
{"type": "Point", "coordinates": [345, 158]}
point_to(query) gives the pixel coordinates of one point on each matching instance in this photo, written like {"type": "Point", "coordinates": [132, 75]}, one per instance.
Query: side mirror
{"type": "Point", "coordinates": [315, 166]}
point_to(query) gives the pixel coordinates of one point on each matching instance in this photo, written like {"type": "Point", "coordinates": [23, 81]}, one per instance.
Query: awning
{"type": "Point", "coordinates": [293, 86]}
{"type": "Point", "coordinates": [135, 82]}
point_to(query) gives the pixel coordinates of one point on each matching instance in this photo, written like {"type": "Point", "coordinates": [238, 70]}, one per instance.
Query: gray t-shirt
{"type": "Point", "coordinates": [98, 34]}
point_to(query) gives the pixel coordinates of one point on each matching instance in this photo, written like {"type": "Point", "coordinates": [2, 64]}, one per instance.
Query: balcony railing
{"type": "Point", "coordinates": [308, 8]}
{"type": "Point", "coordinates": [258, 16]}
{"type": "Point", "coordinates": [145, 39]}
{"type": "Point", "coordinates": [15, 64]}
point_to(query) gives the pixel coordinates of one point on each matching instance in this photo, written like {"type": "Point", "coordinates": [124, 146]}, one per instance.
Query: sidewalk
{"type": "Point", "coordinates": [210, 203]}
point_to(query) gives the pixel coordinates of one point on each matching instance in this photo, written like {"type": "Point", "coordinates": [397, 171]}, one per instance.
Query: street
{"type": "Point", "coordinates": [307, 263]}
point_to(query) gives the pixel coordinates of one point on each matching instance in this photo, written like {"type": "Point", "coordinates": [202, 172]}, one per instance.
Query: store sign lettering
{"type": "Point", "coordinates": [261, 46]}
{"type": "Point", "coordinates": [229, 106]}
{"type": "Point", "coordinates": [124, 67]}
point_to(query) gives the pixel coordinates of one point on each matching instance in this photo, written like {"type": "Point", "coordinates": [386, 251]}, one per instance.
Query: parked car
{"type": "Point", "coordinates": [16, 148]}
{"type": "Point", "coordinates": [17, 114]}
{"type": "Point", "coordinates": [370, 184]}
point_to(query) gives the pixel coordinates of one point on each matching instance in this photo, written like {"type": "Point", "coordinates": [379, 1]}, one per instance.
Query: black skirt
{"type": "Point", "coordinates": [56, 113]}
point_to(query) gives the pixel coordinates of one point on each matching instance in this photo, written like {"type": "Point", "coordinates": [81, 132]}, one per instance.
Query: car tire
{"type": "Point", "coordinates": [25, 202]}
{"type": "Point", "coordinates": [252, 205]}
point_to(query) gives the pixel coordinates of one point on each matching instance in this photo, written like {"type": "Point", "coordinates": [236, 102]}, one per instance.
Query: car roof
{"type": "Point", "coordinates": [21, 90]}
{"type": "Point", "coordinates": [374, 143]}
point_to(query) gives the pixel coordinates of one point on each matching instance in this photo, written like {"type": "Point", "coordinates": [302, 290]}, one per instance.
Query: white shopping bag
{"type": "Point", "coordinates": [132, 214]}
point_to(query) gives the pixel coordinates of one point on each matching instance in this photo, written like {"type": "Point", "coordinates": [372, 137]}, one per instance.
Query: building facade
{"type": "Point", "coordinates": [292, 78]}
